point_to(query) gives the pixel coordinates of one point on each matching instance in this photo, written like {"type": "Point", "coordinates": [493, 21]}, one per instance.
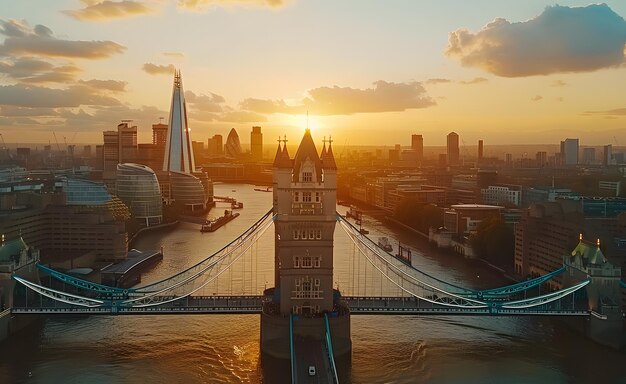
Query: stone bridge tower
{"type": "Point", "coordinates": [305, 198]}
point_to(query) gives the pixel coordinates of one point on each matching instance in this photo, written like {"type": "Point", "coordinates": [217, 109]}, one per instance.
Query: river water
{"type": "Point", "coordinates": [225, 348]}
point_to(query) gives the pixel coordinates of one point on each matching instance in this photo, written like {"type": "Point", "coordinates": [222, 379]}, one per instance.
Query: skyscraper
{"type": "Point", "coordinates": [215, 145]}
{"type": "Point", "coordinates": [607, 156]}
{"type": "Point", "coordinates": [417, 145]}
{"type": "Point", "coordinates": [233, 146]}
{"type": "Point", "coordinates": [569, 151]}
{"type": "Point", "coordinates": [453, 148]}
{"type": "Point", "coordinates": [159, 134]}
{"type": "Point", "coordinates": [480, 150]}
{"type": "Point", "coordinates": [178, 150]}
{"type": "Point", "coordinates": [119, 146]}
{"type": "Point", "coordinates": [256, 143]}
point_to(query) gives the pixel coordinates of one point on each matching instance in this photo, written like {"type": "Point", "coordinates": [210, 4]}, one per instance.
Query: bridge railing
{"type": "Point", "coordinates": [329, 350]}
{"type": "Point", "coordinates": [292, 352]}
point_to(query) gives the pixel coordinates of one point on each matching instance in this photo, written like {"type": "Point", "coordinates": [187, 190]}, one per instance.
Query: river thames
{"type": "Point", "coordinates": [225, 348]}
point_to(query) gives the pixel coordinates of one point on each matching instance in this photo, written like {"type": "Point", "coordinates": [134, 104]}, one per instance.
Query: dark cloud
{"type": "Point", "coordinates": [11, 111]}
{"type": "Point", "coordinates": [611, 112]}
{"type": "Point", "coordinates": [23, 40]}
{"type": "Point", "coordinates": [107, 10]}
{"type": "Point", "coordinates": [154, 69]}
{"type": "Point", "coordinates": [476, 80]}
{"type": "Point", "coordinates": [536, 98]}
{"type": "Point", "coordinates": [29, 70]}
{"type": "Point", "coordinates": [437, 81]}
{"type": "Point", "coordinates": [384, 97]}
{"type": "Point", "coordinates": [206, 103]}
{"type": "Point", "coordinates": [21, 95]}
{"type": "Point", "coordinates": [105, 85]}
{"type": "Point", "coordinates": [108, 116]}
{"type": "Point", "coordinates": [561, 39]}
{"type": "Point", "coordinates": [201, 5]}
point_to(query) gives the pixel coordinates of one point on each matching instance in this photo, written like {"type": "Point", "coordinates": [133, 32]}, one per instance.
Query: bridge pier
{"type": "Point", "coordinates": [275, 329]}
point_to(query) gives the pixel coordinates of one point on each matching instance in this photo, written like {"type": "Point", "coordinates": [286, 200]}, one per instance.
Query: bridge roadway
{"type": "Point", "coordinates": [310, 352]}
{"type": "Point", "coordinates": [253, 304]}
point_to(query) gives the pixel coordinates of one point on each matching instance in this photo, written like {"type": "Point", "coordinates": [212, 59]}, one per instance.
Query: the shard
{"type": "Point", "coordinates": [178, 149]}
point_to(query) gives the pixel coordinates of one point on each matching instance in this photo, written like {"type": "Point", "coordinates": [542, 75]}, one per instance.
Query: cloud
{"type": "Point", "coordinates": [22, 39]}
{"type": "Point", "coordinates": [154, 69]}
{"type": "Point", "coordinates": [11, 111]}
{"type": "Point", "coordinates": [174, 55]}
{"type": "Point", "coordinates": [384, 97]}
{"type": "Point", "coordinates": [107, 10]}
{"type": "Point", "coordinates": [202, 5]}
{"type": "Point", "coordinates": [205, 103]}
{"type": "Point", "coordinates": [108, 116]}
{"type": "Point", "coordinates": [559, 40]}
{"type": "Point", "coordinates": [107, 85]}
{"type": "Point", "coordinates": [476, 80]}
{"type": "Point", "coordinates": [536, 98]}
{"type": "Point", "coordinates": [611, 112]}
{"type": "Point", "coordinates": [21, 95]}
{"type": "Point", "coordinates": [558, 83]}
{"type": "Point", "coordinates": [437, 81]}
{"type": "Point", "coordinates": [29, 70]}
{"type": "Point", "coordinates": [241, 117]}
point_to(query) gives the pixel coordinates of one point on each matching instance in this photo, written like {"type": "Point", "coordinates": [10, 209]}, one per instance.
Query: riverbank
{"type": "Point", "coordinates": [424, 236]}
{"type": "Point", "coordinates": [151, 228]}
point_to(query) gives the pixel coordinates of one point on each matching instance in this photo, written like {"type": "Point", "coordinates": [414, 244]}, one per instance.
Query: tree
{"type": "Point", "coordinates": [418, 215]}
{"type": "Point", "coordinates": [494, 241]}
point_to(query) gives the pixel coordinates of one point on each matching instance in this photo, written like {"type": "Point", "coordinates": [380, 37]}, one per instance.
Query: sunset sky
{"type": "Point", "coordinates": [368, 72]}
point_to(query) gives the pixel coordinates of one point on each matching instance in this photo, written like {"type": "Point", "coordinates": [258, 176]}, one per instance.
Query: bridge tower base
{"type": "Point", "coordinates": [275, 330]}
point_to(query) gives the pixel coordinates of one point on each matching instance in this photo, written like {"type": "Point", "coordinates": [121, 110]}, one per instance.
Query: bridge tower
{"type": "Point", "coordinates": [304, 201]}
{"type": "Point", "coordinates": [587, 261]}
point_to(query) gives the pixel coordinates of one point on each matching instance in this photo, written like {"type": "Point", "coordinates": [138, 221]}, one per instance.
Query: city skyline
{"type": "Point", "coordinates": [78, 68]}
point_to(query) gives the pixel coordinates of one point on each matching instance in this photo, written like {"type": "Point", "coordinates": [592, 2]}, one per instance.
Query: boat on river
{"type": "Point", "coordinates": [213, 225]}
{"type": "Point", "coordinates": [384, 243]}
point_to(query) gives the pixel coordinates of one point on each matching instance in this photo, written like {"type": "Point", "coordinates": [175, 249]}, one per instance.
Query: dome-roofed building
{"type": "Point", "coordinates": [137, 186]}
{"type": "Point", "coordinates": [233, 146]}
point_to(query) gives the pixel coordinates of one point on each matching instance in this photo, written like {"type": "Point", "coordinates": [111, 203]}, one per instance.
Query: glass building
{"type": "Point", "coordinates": [188, 191]}
{"type": "Point", "coordinates": [137, 186]}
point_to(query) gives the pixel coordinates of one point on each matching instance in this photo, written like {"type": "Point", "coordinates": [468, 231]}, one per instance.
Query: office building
{"type": "Point", "coordinates": [480, 150]}
{"type": "Point", "coordinates": [607, 156]}
{"type": "Point", "coordinates": [215, 145]}
{"type": "Point", "coordinates": [569, 152]}
{"type": "Point", "coordinates": [453, 148]}
{"type": "Point", "coordinates": [256, 143]}
{"type": "Point", "coordinates": [417, 145]}
{"type": "Point", "coordinates": [233, 146]}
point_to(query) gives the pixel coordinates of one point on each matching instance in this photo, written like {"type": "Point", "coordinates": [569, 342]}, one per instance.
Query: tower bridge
{"type": "Point", "coordinates": [304, 316]}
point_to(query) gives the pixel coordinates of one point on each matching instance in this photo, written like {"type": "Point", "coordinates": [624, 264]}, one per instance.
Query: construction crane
{"type": "Point", "coordinates": [56, 141]}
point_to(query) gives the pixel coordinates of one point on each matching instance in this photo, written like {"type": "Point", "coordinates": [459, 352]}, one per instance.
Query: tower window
{"type": "Point", "coordinates": [306, 197]}
{"type": "Point", "coordinates": [296, 196]}
{"type": "Point", "coordinates": [307, 176]}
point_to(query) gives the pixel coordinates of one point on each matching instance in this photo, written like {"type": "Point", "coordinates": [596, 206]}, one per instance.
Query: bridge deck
{"type": "Point", "coordinates": [253, 304]}
{"type": "Point", "coordinates": [310, 352]}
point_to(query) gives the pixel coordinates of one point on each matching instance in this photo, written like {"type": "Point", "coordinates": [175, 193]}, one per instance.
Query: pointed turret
{"type": "Point", "coordinates": [307, 153]}
{"type": "Point", "coordinates": [278, 156]}
{"type": "Point", "coordinates": [285, 159]}
{"type": "Point", "coordinates": [178, 150]}
{"type": "Point", "coordinates": [329, 157]}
